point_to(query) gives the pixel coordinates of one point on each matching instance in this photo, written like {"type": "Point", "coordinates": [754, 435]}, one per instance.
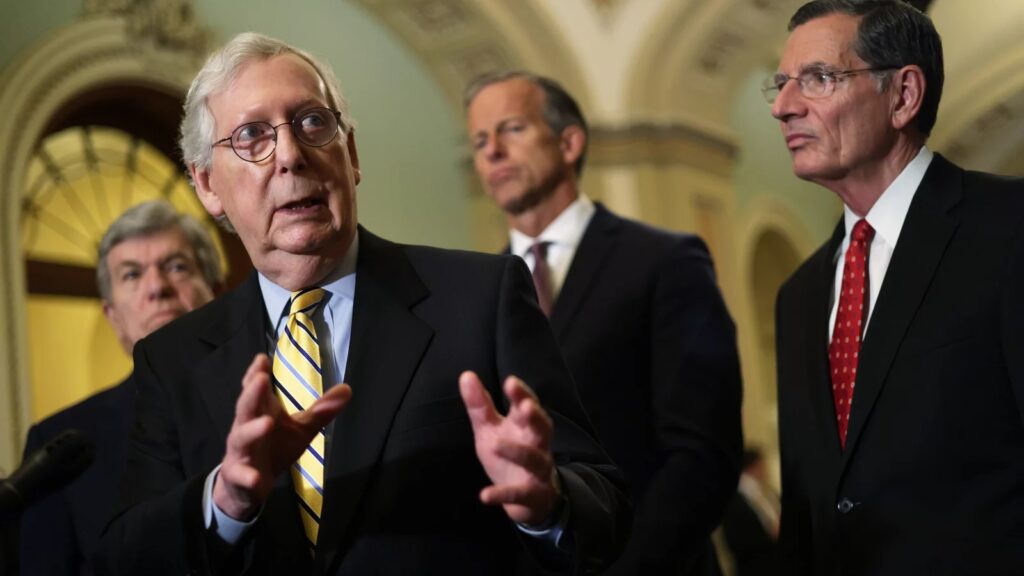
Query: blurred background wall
{"type": "Point", "coordinates": [90, 92]}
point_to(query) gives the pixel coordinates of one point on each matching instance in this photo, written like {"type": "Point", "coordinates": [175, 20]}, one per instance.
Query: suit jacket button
{"type": "Point", "coordinates": [844, 506]}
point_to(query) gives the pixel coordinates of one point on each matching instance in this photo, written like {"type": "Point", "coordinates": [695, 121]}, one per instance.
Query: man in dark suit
{"type": "Point", "coordinates": [900, 349]}
{"type": "Point", "coordinates": [407, 469]}
{"type": "Point", "coordinates": [750, 526]}
{"type": "Point", "coordinates": [638, 316]}
{"type": "Point", "coordinates": [154, 265]}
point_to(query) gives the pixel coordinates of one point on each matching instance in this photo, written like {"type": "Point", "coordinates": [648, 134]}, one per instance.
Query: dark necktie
{"type": "Point", "coordinates": [844, 349]}
{"type": "Point", "coordinates": [542, 276]}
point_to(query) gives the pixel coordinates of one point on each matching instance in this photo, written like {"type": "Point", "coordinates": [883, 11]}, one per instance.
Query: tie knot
{"type": "Point", "coordinates": [539, 250]}
{"type": "Point", "coordinates": [862, 231]}
{"type": "Point", "coordinates": [306, 300]}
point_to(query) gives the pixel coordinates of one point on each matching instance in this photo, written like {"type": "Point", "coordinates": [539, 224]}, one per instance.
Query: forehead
{"type": "Point", "coordinates": [826, 40]}
{"type": "Point", "coordinates": [265, 87]}
{"type": "Point", "coordinates": [151, 247]}
{"type": "Point", "coordinates": [513, 97]}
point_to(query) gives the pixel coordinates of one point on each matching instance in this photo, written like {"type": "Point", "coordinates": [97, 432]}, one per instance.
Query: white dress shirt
{"type": "Point", "coordinates": [886, 217]}
{"type": "Point", "coordinates": [563, 237]}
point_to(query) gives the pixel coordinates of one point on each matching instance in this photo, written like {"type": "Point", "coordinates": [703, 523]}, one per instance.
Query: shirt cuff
{"type": "Point", "coordinates": [553, 530]}
{"type": "Point", "coordinates": [551, 533]}
{"type": "Point", "coordinates": [226, 527]}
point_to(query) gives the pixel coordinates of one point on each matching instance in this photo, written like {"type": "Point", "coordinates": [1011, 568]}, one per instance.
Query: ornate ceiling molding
{"type": "Point", "coordinates": [164, 24]}
{"type": "Point", "coordinates": [461, 39]}
{"type": "Point", "coordinates": [703, 50]}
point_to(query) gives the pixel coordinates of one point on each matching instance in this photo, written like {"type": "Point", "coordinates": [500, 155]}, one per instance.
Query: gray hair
{"type": "Point", "coordinates": [150, 218]}
{"type": "Point", "coordinates": [221, 68]}
{"type": "Point", "coordinates": [560, 108]}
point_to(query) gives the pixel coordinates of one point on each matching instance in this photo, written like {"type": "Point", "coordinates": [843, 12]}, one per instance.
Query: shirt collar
{"type": "Point", "coordinates": [341, 282]}
{"type": "Point", "coordinates": [565, 230]}
{"type": "Point", "coordinates": [890, 210]}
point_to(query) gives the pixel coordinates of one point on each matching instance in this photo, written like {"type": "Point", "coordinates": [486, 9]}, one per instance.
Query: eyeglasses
{"type": "Point", "coordinates": [813, 83]}
{"type": "Point", "coordinates": [256, 141]}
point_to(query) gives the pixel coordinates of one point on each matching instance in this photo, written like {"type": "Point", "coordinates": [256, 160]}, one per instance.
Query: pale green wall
{"type": "Point", "coordinates": [764, 166]}
{"type": "Point", "coordinates": [409, 137]}
{"type": "Point", "coordinates": [23, 22]}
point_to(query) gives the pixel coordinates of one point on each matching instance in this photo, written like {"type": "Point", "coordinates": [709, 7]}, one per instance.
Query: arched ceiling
{"type": "Point", "coordinates": [681, 61]}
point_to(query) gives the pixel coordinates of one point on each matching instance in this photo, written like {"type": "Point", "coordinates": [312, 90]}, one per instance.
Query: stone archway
{"type": "Point", "coordinates": [95, 51]}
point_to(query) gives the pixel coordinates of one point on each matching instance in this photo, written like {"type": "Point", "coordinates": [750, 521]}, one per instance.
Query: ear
{"type": "Point", "coordinates": [204, 190]}
{"type": "Point", "coordinates": [113, 319]}
{"type": "Point", "coordinates": [353, 155]}
{"type": "Point", "coordinates": [909, 85]}
{"type": "Point", "coordinates": [572, 143]}
{"type": "Point", "coordinates": [108, 312]}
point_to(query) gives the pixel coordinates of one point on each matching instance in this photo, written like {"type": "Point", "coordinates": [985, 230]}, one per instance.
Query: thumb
{"type": "Point", "coordinates": [325, 408]}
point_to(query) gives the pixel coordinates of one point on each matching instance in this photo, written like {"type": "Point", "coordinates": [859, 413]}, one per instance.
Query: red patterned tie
{"type": "Point", "coordinates": [853, 303]}
{"type": "Point", "coordinates": [542, 276]}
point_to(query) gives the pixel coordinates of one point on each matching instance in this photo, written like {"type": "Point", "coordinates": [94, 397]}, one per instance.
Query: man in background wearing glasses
{"type": "Point", "coordinates": [901, 340]}
{"type": "Point", "coordinates": [249, 456]}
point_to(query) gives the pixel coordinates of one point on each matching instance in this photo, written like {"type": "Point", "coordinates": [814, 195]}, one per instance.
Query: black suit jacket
{"type": "Point", "coordinates": [652, 349]}
{"type": "Point", "coordinates": [402, 480]}
{"type": "Point", "coordinates": [753, 548]}
{"type": "Point", "coordinates": [60, 533]}
{"type": "Point", "coordinates": [932, 478]}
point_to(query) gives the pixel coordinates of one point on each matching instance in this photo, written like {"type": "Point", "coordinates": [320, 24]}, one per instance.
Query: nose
{"type": "Point", "coordinates": [290, 153]}
{"type": "Point", "coordinates": [156, 284]}
{"type": "Point", "coordinates": [494, 148]}
{"type": "Point", "coordinates": [789, 101]}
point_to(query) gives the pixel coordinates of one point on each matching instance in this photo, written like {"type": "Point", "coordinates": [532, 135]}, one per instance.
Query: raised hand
{"type": "Point", "coordinates": [264, 440]}
{"type": "Point", "coordinates": [515, 450]}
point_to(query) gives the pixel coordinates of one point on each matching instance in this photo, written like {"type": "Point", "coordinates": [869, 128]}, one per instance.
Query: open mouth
{"type": "Point", "coordinates": [304, 205]}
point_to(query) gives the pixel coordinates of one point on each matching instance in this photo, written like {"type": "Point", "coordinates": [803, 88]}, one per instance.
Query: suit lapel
{"type": "Point", "coordinates": [588, 261]}
{"type": "Point", "coordinates": [237, 336]}
{"type": "Point", "coordinates": [387, 343]}
{"type": "Point", "coordinates": [819, 300]}
{"type": "Point", "coordinates": [923, 240]}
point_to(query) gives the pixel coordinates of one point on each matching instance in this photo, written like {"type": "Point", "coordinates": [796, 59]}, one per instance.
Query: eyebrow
{"type": "Point", "coordinates": [172, 256]}
{"type": "Point", "coordinates": [502, 122]}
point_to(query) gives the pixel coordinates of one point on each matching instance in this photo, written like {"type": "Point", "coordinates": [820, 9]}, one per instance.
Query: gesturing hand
{"type": "Point", "coordinates": [515, 450]}
{"type": "Point", "coordinates": [264, 440]}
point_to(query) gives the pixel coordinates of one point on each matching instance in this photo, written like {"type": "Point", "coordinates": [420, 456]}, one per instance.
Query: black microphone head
{"type": "Point", "coordinates": [53, 466]}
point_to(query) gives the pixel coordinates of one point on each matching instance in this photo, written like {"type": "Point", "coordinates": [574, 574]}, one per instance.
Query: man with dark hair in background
{"type": "Point", "coordinates": [638, 316]}
{"type": "Point", "coordinates": [154, 265]}
{"type": "Point", "coordinates": [901, 340]}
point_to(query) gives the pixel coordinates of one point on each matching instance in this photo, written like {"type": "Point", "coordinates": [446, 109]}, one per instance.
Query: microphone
{"type": "Point", "coordinates": [46, 470]}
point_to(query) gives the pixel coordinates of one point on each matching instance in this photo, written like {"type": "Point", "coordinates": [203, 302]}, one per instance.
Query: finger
{"type": "Point", "coordinates": [530, 415]}
{"type": "Point", "coordinates": [479, 404]}
{"type": "Point", "coordinates": [534, 461]}
{"type": "Point", "coordinates": [244, 437]}
{"type": "Point", "coordinates": [239, 476]}
{"type": "Point", "coordinates": [255, 386]}
{"type": "Point", "coordinates": [525, 411]}
{"type": "Point", "coordinates": [325, 409]}
{"type": "Point", "coordinates": [517, 391]}
{"type": "Point", "coordinates": [523, 494]}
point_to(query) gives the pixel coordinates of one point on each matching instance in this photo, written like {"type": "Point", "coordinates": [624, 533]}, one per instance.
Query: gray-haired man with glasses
{"type": "Point", "coordinates": [250, 456]}
{"type": "Point", "coordinates": [901, 340]}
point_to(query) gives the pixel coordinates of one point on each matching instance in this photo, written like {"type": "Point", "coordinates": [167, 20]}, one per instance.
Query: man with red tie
{"type": "Point", "coordinates": [900, 341]}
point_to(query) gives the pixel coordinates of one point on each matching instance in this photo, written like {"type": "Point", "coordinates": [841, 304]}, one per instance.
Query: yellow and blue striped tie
{"type": "Point", "coordinates": [298, 382]}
